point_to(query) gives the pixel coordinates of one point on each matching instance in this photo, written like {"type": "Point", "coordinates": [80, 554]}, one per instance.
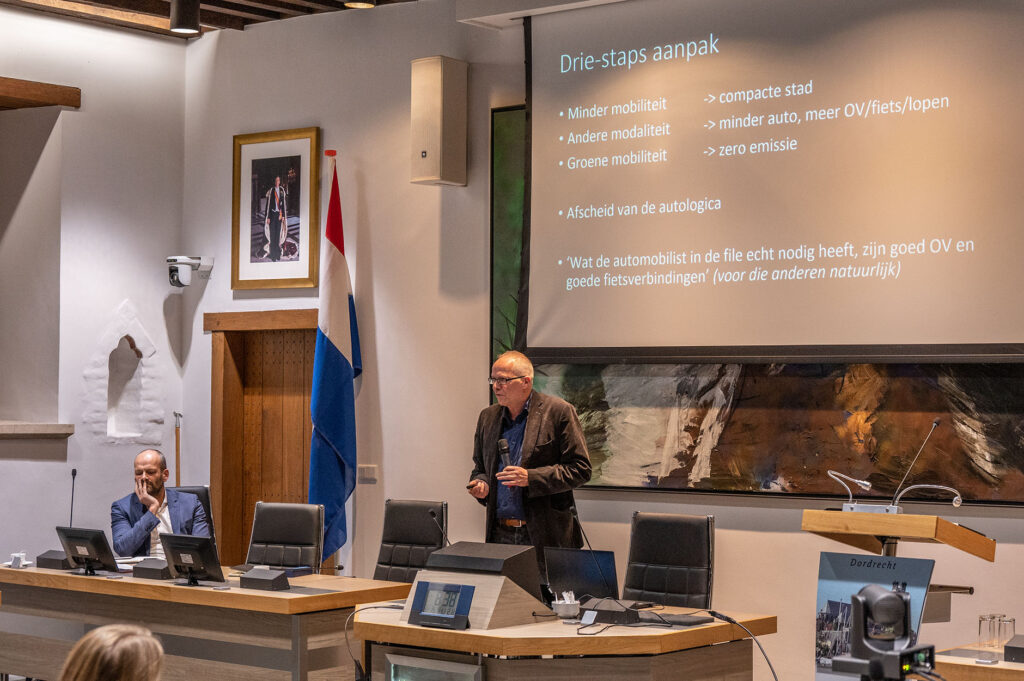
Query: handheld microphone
{"type": "Point", "coordinates": [935, 424]}
{"type": "Point", "coordinates": [503, 453]}
{"type": "Point", "coordinates": [74, 474]}
{"type": "Point", "coordinates": [604, 579]}
{"type": "Point", "coordinates": [444, 534]}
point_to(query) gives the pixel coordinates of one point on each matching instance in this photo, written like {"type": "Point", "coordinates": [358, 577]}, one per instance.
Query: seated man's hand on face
{"type": "Point", "coordinates": [142, 492]}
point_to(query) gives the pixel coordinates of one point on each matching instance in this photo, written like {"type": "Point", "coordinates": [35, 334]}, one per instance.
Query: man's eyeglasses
{"type": "Point", "coordinates": [503, 381]}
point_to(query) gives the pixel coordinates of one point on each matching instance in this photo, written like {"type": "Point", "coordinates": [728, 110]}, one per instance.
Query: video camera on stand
{"type": "Point", "coordinates": [880, 637]}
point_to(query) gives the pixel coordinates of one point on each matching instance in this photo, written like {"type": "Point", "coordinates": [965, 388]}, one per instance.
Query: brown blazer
{"type": "Point", "coordinates": [555, 454]}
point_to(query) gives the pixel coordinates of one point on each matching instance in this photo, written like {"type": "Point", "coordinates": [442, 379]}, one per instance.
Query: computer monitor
{"type": "Point", "coordinates": [193, 558]}
{"type": "Point", "coordinates": [585, 573]}
{"type": "Point", "coordinates": [89, 549]}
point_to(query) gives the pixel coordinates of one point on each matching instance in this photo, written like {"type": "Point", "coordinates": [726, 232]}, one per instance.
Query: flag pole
{"type": "Point", "coordinates": [177, 448]}
{"type": "Point", "coordinates": [337, 362]}
{"type": "Point", "coordinates": [332, 154]}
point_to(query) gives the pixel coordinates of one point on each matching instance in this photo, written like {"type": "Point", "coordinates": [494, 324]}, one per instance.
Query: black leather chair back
{"type": "Point", "coordinates": [410, 536]}
{"type": "Point", "coordinates": [203, 492]}
{"type": "Point", "coordinates": [671, 559]}
{"type": "Point", "coordinates": [287, 535]}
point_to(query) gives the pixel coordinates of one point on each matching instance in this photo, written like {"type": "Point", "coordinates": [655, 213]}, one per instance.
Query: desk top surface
{"type": "Point", "coordinates": [552, 637]}
{"type": "Point", "coordinates": [322, 592]}
{"type": "Point", "coordinates": [959, 665]}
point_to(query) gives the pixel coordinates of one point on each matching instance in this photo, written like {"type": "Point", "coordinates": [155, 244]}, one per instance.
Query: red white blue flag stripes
{"type": "Point", "coordinates": [332, 455]}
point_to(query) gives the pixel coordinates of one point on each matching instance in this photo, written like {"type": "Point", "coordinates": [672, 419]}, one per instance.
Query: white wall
{"type": "Point", "coordinates": [419, 258]}
{"type": "Point", "coordinates": [121, 169]}
{"type": "Point", "coordinates": [29, 262]}
{"type": "Point", "coordinates": [418, 254]}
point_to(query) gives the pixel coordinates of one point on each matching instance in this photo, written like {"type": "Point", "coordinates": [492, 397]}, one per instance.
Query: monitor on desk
{"type": "Point", "coordinates": [192, 558]}
{"type": "Point", "coordinates": [88, 549]}
{"type": "Point", "coordinates": [585, 573]}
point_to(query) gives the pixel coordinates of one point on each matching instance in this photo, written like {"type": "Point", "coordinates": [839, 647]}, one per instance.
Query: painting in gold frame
{"type": "Point", "coordinates": [275, 219]}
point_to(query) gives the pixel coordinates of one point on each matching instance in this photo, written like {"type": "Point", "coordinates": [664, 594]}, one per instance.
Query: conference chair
{"type": "Point", "coordinates": [410, 536]}
{"type": "Point", "coordinates": [203, 492]}
{"type": "Point", "coordinates": [287, 535]}
{"type": "Point", "coordinates": [671, 559]}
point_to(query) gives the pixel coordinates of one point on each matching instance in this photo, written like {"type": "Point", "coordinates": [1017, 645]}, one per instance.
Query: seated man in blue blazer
{"type": "Point", "coordinates": [138, 520]}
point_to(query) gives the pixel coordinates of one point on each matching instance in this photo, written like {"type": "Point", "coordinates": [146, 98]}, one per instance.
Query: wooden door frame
{"type": "Point", "coordinates": [227, 372]}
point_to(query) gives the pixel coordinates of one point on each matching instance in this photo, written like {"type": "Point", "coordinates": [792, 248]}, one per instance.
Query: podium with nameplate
{"type": "Point", "coordinates": [881, 532]}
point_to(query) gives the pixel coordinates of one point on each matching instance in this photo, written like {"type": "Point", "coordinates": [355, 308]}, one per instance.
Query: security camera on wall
{"type": "Point", "coordinates": [180, 268]}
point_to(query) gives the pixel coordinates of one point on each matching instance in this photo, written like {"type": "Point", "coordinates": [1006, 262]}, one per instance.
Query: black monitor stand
{"type": "Point", "coordinates": [190, 580]}
{"type": "Point", "coordinates": [87, 570]}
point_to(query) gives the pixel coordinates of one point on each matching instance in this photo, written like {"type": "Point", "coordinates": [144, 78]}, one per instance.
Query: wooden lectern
{"type": "Point", "coordinates": [880, 533]}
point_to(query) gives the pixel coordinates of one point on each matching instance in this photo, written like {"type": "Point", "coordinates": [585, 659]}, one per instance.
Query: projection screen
{"type": "Point", "coordinates": [733, 178]}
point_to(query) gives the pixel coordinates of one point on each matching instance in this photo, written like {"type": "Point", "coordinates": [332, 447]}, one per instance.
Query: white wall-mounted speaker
{"type": "Point", "coordinates": [438, 120]}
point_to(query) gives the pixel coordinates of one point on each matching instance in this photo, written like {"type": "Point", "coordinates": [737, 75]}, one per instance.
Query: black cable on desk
{"type": "Point", "coordinates": [361, 675]}
{"type": "Point", "coordinates": [664, 624]}
{"type": "Point", "coordinates": [730, 620]}
{"type": "Point", "coordinates": [927, 673]}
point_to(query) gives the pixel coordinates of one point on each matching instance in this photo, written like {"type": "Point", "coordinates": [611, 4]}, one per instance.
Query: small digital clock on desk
{"type": "Point", "coordinates": [445, 606]}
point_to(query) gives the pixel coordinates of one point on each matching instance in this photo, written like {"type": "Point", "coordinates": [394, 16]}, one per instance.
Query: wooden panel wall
{"type": "Point", "coordinates": [226, 436]}
{"type": "Point", "coordinates": [276, 424]}
{"type": "Point", "coordinates": [260, 427]}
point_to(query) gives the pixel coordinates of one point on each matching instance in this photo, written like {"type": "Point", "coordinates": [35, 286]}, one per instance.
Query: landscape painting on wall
{"type": "Point", "coordinates": [779, 428]}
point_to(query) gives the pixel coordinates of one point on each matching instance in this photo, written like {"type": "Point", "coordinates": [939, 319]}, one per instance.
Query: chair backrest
{"type": "Point", "coordinates": [410, 536]}
{"type": "Point", "coordinates": [287, 535]}
{"type": "Point", "coordinates": [203, 492]}
{"type": "Point", "coordinates": [671, 559]}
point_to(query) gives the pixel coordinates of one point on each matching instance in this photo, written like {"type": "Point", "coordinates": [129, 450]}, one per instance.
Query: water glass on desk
{"type": "Point", "coordinates": [988, 630]}
{"type": "Point", "coordinates": [1006, 629]}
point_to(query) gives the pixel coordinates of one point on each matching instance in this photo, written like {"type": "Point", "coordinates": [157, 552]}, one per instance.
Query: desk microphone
{"type": "Point", "coordinates": [604, 579]}
{"type": "Point", "coordinates": [895, 495]}
{"type": "Point", "coordinates": [503, 453]}
{"type": "Point", "coordinates": [444, 534]}
{"type": "Point", "coordinates": [74, 474]}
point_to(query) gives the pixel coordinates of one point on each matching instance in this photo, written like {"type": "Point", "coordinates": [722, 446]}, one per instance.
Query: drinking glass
{"type": "Point", "coordinates": [1006, 629]}
{"type": "Point", "coordinates": [988, 630]}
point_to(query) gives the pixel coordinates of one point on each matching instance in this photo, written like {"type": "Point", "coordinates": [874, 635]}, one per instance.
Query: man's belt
{"type": "Point", "coordinates": [512, 522]}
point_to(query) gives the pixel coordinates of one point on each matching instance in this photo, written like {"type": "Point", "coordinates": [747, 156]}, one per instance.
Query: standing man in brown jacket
{"type": "Point", "coordinates": [530, 500]}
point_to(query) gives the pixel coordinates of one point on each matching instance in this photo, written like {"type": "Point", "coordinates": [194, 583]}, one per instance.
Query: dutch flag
{"type": "Point", "coordinates": [332, 455]}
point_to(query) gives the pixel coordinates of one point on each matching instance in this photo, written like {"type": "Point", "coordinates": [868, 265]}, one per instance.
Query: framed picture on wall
{"type": "Point", "coordinates": [275, 219]}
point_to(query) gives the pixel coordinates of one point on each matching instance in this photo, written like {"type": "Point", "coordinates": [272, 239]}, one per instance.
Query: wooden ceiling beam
{"type": "Point", "coordinates": [291, 9]}
{"type": "Point", "coordinates": [22, 94]}
{"type": "Point", "coordinates": [78, 10]}
{"type": "Point", "coordinates": [145, 15]}
{"type": "Point", "coordinates": [162, 9]}
{"type": "Point", "coordinates": [322, 5]}
{"type": "Point", "coordinates": [152, 15]}
{"type": "Point", "coordinates": [238, 10]}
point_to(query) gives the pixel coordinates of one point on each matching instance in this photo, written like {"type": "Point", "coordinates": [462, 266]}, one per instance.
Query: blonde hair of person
{"type": "Point", "coordinates": [115, 652]}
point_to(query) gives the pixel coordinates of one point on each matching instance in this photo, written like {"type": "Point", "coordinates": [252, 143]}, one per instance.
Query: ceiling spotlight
{"type": "Point", "coordinates": [360, 4]}
{"type": "Point", "coordinates": [185, 16]}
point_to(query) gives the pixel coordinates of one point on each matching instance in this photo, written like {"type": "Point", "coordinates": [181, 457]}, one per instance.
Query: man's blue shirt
{"type": "Point", "coordinates": [510, 499]}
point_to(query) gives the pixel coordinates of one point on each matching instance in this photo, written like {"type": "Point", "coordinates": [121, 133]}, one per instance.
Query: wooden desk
{"type": "Point", "coordinates": [234, 635]}
{"type": "Point", "coordinates": [634, 653]}
{"type": "Point", "coordinates": [956, 668]}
